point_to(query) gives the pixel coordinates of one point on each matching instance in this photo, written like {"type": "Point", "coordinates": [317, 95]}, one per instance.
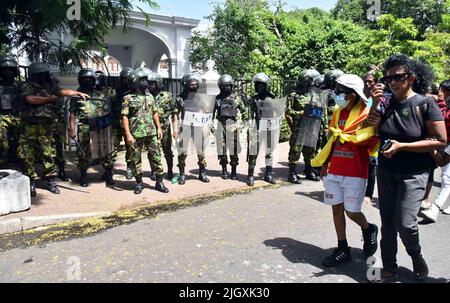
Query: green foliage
{"type": "Point", "coordinates": [27, 24]}
{"type": "Point", "coordinates": [248, 38]}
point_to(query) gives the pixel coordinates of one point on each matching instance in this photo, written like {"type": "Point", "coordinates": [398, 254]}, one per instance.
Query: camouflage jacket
{"type": "Point", "coordinates": [98, 105]}
{"type": "Point", "coordinates": [230, 107]}
{"type": "Point", "coordinates": [46, 111]}
{"type": "Point", "coordinates": [140, 110]}
{"type": "Point", "coordinates": [296, 104]}
{"type": "Point", "coordinates": [166, 106]}
{"type": "Point", "coordinates": [253, 106]}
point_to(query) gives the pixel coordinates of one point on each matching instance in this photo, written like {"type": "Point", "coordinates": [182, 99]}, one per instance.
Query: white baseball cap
{"type": "Point", "coordinates": [353, 82]}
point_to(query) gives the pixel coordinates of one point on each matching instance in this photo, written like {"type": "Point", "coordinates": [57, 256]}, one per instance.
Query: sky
{"type": "Point", "coordinates": [197, 9]}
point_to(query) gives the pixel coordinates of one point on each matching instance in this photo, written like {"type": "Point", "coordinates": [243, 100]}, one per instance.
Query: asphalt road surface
{"type": "Point", "coordinates": [275, 235]}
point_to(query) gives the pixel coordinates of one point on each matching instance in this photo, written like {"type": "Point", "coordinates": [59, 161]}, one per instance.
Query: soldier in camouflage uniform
{"type": "Point", "coordinates": [143, 129]}
{"type": "Point", "coordinates": [97, 106]}
{"type": "Point", "coordinates": [10, 107]}
{"type": "Point", "coordinates": [329, 84]}
{"type": "Point", "coordinates": [190, 84]}
{"type": "Point", "coordinates": [60, 138]}
{"type": "Point", "coordinates": [229, 107]}
{"type": "Point", "coordinates": [262, 84]}
{"type": "Point", "coordinates": [39, 117]}
{"type": "Point", "coordinates": [167, 110]}
{"type": "Point", "coordinates": [306, 91]}
{"type": "Point", "coordinates": [118, 132]}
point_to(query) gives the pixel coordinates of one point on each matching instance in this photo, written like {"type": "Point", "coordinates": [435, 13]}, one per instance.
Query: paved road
{"type": "Point", "coordinates": [276, 235]}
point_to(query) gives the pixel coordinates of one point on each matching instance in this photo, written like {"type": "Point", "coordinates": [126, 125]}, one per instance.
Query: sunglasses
{"type": "Point", "coordinates": [396, 78]}
{"type": "Point", "coordinates": [342, 91]}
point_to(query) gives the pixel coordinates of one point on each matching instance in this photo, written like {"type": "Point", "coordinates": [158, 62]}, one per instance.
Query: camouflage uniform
{"type": "Point", "coordinates": [229, 108]}
{"type": "Point", "coordinates": [37, 136]}
{"type": "Point", "coordinates": [60, 132]}
{"type": "Point", "coordinates": [200, 153]}
{"type": "Point", "coordinates": [140, 110]}
{"type": "Point", "coordinates": [118, 132]}
{"type": "Point", "coordinates": [9, 121]}
{"type": "Point", "coordinates": [295, 108]}
{"type": "Point", "coordinates": [253, 141]}
{"type": "Point", "coordinates": [87, 109]}
{"type": "Point", "coordinates": [166, 108]}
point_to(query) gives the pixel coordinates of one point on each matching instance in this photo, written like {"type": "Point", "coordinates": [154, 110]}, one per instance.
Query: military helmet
{"type": "Point", "coordinates": [320, 80]}
{"type": "Point", "coordinates": [331, 77]}
{"type": "Point", "coordinates": [36, 68]}
{"type": "Point", "coordinates": [8, 61]}
{"type": "Point", "coordinates": [262, 78]}
{"type": "Point", "coordinates": [86, 73]}
{"type": "Point", "coordinates": [154, 77]}
{"type": "Point", "coordinates": [225, 80]}
{"type": "Point", "coordinates": [192, 77]}
{"type": "Point", "coordinates": [126, 71]}
{"type": "Point", "coordinates": [309, 76]}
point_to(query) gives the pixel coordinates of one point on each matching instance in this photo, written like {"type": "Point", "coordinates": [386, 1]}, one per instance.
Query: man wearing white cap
{"type": "Point", "coordinates": [344, 164]}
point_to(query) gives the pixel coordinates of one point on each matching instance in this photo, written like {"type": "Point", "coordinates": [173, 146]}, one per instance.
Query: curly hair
{"type": "Point", "coordinates": [399, 60]}
{"type": "Point", "coordinates": [424, 77]}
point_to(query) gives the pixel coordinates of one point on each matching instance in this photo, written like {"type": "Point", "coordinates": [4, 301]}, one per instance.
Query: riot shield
{"type": "Point", "coordinates": [265, 131]}
{"type": "Point", "coordinates": [197, 120]}
{"type": "Point", "coordinates": [100, 128]}
{"type": "Point", "coordinates": [307, 133]}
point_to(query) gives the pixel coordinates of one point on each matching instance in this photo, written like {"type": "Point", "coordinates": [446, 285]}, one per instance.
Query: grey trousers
{"type": "Point", "coordinates": [400, 198]}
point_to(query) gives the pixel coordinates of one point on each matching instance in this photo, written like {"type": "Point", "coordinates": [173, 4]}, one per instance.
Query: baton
{"type": "Point", "coordinates": [79, 147]}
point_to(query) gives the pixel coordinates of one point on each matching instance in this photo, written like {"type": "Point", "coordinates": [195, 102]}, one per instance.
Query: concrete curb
{"type": "Point", "coordinates": [29, 231]}
{"type": "Point", "coordinates": [13, 225]}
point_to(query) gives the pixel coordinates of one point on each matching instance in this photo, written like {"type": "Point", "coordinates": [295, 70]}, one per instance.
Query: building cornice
{"type": "Point", "coordinates": [163, 19]}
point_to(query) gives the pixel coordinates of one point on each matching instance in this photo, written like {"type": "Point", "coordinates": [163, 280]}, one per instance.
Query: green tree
{"type": "Point", "coordinates": [27, 25]}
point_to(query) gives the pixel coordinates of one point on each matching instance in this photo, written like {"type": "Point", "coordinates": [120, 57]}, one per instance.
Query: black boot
{"type": "Point", "coordinates": [182, 178]}
{"type": "Point", "coordinates": [152, 176]}
{"type": "Point", "coordinates": [83, 178]}
{"type": "Point", "coordinates": [33, 189]}
{"type": "Point", "coordinates": [310, 173]}
{"type": "Point", "coordinates": [129, 173]}
{"type": "Point", "coordinates": [169, 168]}
{"type": "Point", "coordinates": [250, 177]}
{"type": "Point", "coordinates": [62, 173]}
{"type": "Point", "coordinates": [52, 187]}
{"type": "Point", "coordinates": [234, 173]}
{"type": "Point", "coordinates": [139, 187]}
{"type": "Point", "coordinates": [293, 177]}
{"type": "Point", "coordinates": [268, 176]}
{"type": "Point", "coordinates": [225, 175]}
{"type": "Point", "coordinates": [160, 185]}
{"type": "Point", "coordinates": [202, 176]}
{"type": "Point", "coordinates": [109, 177]}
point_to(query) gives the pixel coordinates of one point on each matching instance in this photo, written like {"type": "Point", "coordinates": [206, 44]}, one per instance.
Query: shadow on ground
{"type": "Point", "coordinates": [299, 252]}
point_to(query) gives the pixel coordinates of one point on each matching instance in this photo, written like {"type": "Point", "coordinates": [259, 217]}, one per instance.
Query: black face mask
{"type": "Point", "coordinates": [41, 79]}
{"type": "Point", "coordinates": [143, 85]}
{"type": "Point", "coordinates": [87, 83]}
{"type": "Point", "coordinates": [8, 75]}
{"type": "Point", "coordinates": [226, 90]}
{"type": "Point", "coordinates": [261, 89]}
{"type": "Point", "coordinates": [152, 88]}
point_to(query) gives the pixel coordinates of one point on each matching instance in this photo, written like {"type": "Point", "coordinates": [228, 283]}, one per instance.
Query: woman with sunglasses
{"type": "Point", "coordinates": [410, 127]}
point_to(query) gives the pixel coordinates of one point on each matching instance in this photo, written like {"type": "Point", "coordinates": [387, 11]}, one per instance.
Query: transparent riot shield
{"type": "Point", "coordinates": [264, 132]}
{"type": "Point", "coordinates": [196, 123]}
{"type": "Point", "coordinates": [307, 133]}
{"type": "Point", "coordinates": [100, 128]}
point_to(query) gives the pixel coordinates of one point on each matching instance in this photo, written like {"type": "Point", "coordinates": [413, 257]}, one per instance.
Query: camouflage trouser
{"type": "Point", "coordinates": [60, 139]}
{"type": "Point", "coordinates": [166, 142]}
{"type": "Point", "coordinates": [182, 155]}
{"type": "Point", "coordinates": [9, 133]}
{"type": "Point", "coordinates": [118, 134]}
{"type": "Point", "coordinates": [37, 140]}
{"type": "Point", "coordinates": [153, 153]}
{"type": "Point", "coordinates": [254, 149]}
{"type": "Point", "coordinates": [230, 136]}
{"type": "Point", "coordinates": [296, 150]}
{"type": "Point", "coordinates": [84, 140]}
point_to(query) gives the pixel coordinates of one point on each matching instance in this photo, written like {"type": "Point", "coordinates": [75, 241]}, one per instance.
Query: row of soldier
{"type": "Point", "coordinates": [149, 118]}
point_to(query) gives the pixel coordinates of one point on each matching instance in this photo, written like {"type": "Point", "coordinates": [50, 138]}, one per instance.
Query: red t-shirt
{"type": "Point", "coordinates": [350, 159]}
